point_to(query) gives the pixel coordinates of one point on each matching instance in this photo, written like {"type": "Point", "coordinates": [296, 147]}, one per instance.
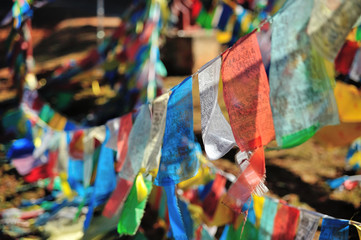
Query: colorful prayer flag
{"type": "Point", "coordinates": [301, 91]}
{"type": "Point", "coordinates": [216, 132]}
{"type": "Point", "coordinates": [178, 161]}
{"type": "Point", "coordinates": [246, 94]}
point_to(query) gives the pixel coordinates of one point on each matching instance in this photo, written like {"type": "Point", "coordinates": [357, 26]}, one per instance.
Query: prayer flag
{"type": "Point", "coordinates": [137, 141]}
{"type": "Point", "coordinates": [301, 91]}
{"type": "Point", "coordinates": [153, 148]}
{"type": "Point", "coordinates": [330, 23]}
{"type": "Point", "coordinates": [133, 211]}
{"type": "Point", "coordinates": [285, 223]}
{"type": "Point", "coordinates": [250, 181]}
{"type": "Point", "coordinates": [335, 229]}
{"type": "Point", "coordinates": [307, 226]}
{"type": "Point", "coordinates": [216, 132]}
{"type": "Point", "coordinates": [246, 94]}
{"type": "Point", "coordinates": [267, 220]}
{"type": "Point", "coordinates": [123, 135]}
{"type": "Point", "coordinates": [179, 161]}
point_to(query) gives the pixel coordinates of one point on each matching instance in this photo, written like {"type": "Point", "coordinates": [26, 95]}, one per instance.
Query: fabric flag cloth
{"type": "Point", "coordinates": [251, 180]}
{"type": "Point", "coordinates": [223, 215]}
{"type": "Point", "coordinates": [216, 132]}
{"type": "Point", "coordinates": [105, 180]}
{"type": "Point", "coordinates": [345, 57]}
{"type": "Point", "coordinates": [330, 23]}
{"type": "Point", "coordinates": [113, 126]}
{"type": "Point", "coordinates": [92, 138]}
{"type": "Point", "coordinates": [348, 99]}
{"type": "Point", "coordinates": [133, 210]}
{"type": "Point", "coordinates": [258, 203]}
{"type": "Point", "coordinates": [63, 157]}
{"type": "Point", "coordinates": [153, 148]}
{"type": "Point", "coordinates": [353, 157]}
{"type": "Point", "coordinates": [267, 220]}
{"type": "Point", "coordinates": [307, 226]}
{"type": "Point", "coordinates": [285, 223]}
{"type": "Point", "coordinates": [187, 218]}
{"type": "Point", "coordinates": [211, 201]}
{"type": "Point", "coordinates": [336, 229]}
{"type": "Point", "coordinates": [179, 161]}
{"type": "Point", "coordinates": [175, 217]}
{"type": "Point", "coordinates": [301, 95]}
{"type": "Point", "coordinates": [241, 230]}
{"type": "Point", "coordinates": [249, 231]}
{"type": "Point", "coordinates": [224, 233]}
{"type": "Point", "coordinates": [76, 146]}
{"type": "Point", "coordinates": [264, 40]}
{"type": "Point", "coordinates": [116, 200]}
{"type": "Point", "coordinates": [138, 138]}
{"type": "Point", "coordinates": [246, 94]}
{"type": "Point", "coordinates": [137, 141]}
{"type": "Point", "coordinates": [126, 124]}
{"type": "Point", "coordinates": [89, 148]}
{"type": "Point", "coordinates": [24, 165]}
{"type": "Point", "coordinates": [233, 233]}
{"type": "Point", "coordinates": [358, 227]}
{"type": "Point", "coordinates": [339, 135]}
{"type": "Point", "coordinates": [355, 72]}
{"type": "Point", "coordinates": [20, 148]}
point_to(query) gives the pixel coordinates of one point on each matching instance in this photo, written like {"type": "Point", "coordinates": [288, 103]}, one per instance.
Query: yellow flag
{"type": "Point", "coordinates": [142, 191]}
{"type": "Point", "coordinates": [258, 208]}
{"type": "Point", "coordinates": [348, 99]}
{"type": "Point", "coordinates": [358, 227]}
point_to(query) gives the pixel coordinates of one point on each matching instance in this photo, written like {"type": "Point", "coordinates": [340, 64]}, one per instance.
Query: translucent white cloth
{"type": "Point", "coordinates": [216, 132]}
{"type": "Point", "coordinates": [152, 151]}
{"type": "Point", "coordinates": [301, 94]}
{"type": "Point", "coordinates": [137, 141]}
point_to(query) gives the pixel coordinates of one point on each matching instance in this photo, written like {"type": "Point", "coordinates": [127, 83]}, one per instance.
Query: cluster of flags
{"type": "Point", "coordinates": [281, 90]}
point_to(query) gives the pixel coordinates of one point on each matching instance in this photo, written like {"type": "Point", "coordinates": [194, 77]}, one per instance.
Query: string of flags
{"type": "Point", "coordinates": [117, 164]}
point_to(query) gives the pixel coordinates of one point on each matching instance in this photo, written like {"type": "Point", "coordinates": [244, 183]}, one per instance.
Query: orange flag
{"type": "Point", "coordinates": [246, 94]}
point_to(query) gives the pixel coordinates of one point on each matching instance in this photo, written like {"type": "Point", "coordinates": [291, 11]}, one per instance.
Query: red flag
{"type": "Point", "coordinates": [251, 180]}
{"type": "Point", "coordinates": [246, 94]}
{"type": "Point", "coordinates": [345, 57]}
{"type": "Point", "coordinates": [117, 198]}
{"type": "Point", "coordinates": [211, 201]}
{"type": "Point", "coordinates": [123, 135]}
{"type": "Point", "coordinates": [285, 223]}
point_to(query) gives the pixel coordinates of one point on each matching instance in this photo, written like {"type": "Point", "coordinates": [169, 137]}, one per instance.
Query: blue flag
{"type": "Point", "coordinates": [179, 160]}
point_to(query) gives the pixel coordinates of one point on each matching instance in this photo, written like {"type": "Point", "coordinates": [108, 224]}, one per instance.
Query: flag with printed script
{"type": "Point", "coordinates": [307, 226]}
{"type": "Point", "coordinates": [246, 94]}
{"type": "Point", "coordinates": [330, 23]}
{"type": "Point", "coordinates": [301, 89]}
{"type": "Point", "coordinates": [216, 132]}
{"type": "Point", "coordinates": [178, 161]}
{"type": "Point", "coordinates": [153, 148]}
{"type": "Point", "coordinates": [335, 229]}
